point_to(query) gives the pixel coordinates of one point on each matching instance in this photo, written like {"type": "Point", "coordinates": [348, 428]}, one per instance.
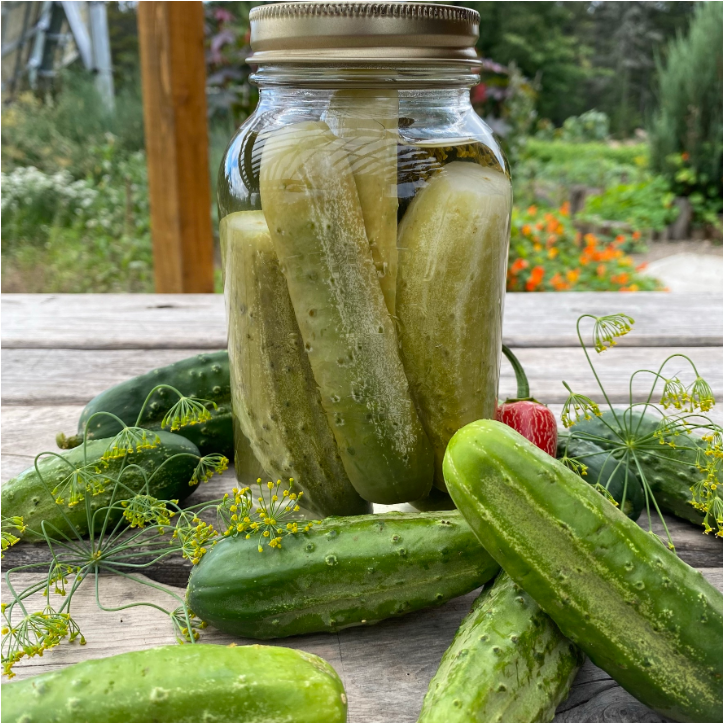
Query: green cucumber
{"type": "Point", "coordinates": [620, 480]}
{"type": "Point", "coordinates": [312, 208]}
{"type": "Point", "coordinates": [670, 472]}
{"type": "Point", "coordinates": [368, 120]}
{"type": "Point", "coordinates": [205, 376]}
{"type": "Point", "coordinates": [639, 612]}
{"type": "Point", "coordinates": [347, 571]}
{"type": "Point", "coordinates": [450, 292]}
{"type": "Point", "coordinates": [184, 684]}
{"type": "Point", "coordinates": [508, 663]}
{"type": "Point", "coordinates": [275, 398]}
{"type": "Point", "coordinates": [29, 496]}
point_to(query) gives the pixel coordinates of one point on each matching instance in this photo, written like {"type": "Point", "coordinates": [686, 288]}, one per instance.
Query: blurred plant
{"type": "Point", "coordinates": [686, 133]}
{"type": "Point", "coordinates": [646, 206]}
{"type": "Point", "coordinates": [548, 254]}
{"type": "Point", "coordinates": [546, 169]}
{"type": "Point", "coordinates": [592, 125]}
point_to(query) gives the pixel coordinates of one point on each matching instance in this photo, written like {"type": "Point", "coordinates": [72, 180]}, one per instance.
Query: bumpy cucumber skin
{"type": "Point", "coordinates": [312, 209]}
{"type": "Point", "coordinates": [508, 663]}
{"type": "Point", "coordinates": [347, 571]}
{"type": "Point", "coordinates": [368, 120]}
{"type": "Point", "coordinates": [453, 243]}
{"type": "Point", "coordinates": [205, 376]}
{"type": "Point", "coordinates": [275, 398]}
{"type": "Point", "coordinates": [603, 469]}
{"type": "Point", "coordinates": [184, 684]}
{"type": "Point", "coordinates": [27, 496]}
{"type": "Point", "coordinates": [638, 611]}
{"type": "Point", "coordinates": [670, 473]}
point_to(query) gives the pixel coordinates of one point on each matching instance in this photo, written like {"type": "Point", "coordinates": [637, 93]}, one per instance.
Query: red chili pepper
{"type": "Point", "coordinates": [533, 420]}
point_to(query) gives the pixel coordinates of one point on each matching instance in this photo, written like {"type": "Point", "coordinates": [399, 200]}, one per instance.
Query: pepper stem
{"type": "Point", "coordinates": [523, 386]}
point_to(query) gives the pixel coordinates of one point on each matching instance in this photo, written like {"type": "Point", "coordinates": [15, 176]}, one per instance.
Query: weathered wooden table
{"type": "Point", "coordinates": [59, 351]}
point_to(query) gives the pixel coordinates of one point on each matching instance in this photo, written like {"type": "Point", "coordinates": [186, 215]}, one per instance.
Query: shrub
{"type": "Point", "coordinates": [686, 134]}
{"type": "Point", "coordinates": [548, 254]}
{"type": "Point", "coordinates": [646, 206]}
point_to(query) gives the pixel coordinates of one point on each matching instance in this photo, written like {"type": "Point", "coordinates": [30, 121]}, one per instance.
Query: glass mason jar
{"type": "Point", "coordinates": [365, 213]}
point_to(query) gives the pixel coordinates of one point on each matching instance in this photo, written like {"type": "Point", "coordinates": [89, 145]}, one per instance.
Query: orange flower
{"type": "Point", "coordinates": [526, 230]}
{"type": "Point", "coordinates": [551, 240]}
{"type": "Point", "coordinates": [565, 209]}
{"type": "Point", "coordinates": [532, 210]}
{"type": "Point", "coordinates": [558, 283]}
{"type": "Point", "coordinates": [535, 279]}
{"type": "Point", "coordinates": [685, 156]}
{"type": "Point", "coordinates": [537, 247]}
{"type": "Point", "coordinates": [621, 279]}
{"type": "Point", "coordinates": [539, 225]}
{"type": "Point", "coordinates": [619, 239]}
{"type": "Point", "coordinates": [601, 269]}
{"type": "Point", "coordinates": [518, 265]}
{"type": "Point", "coordinates": [632, 287]}
{"type": "Point", "coordinates": [551, 253]}
{"type": "Point", "coordinates": [590, 239]}
{"type": "Point", "coordinates": [642, 267]}
{"type": "Point", "coordinates": [573, 275]}
{"type": "Point", "coordinates": [636, 235]}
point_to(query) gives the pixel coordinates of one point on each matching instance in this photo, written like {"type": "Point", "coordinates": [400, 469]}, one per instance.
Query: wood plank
{"type": "Point", "coordinates": [385, 667]}
{"type": "Point", "coordinates": [150, 321]}
{"type": "Point", "coordinates": [74, 376]}
{"type": "Point", "coordinates": [173, 72]}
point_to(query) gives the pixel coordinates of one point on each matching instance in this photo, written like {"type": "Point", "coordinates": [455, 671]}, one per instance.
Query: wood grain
{"type": "Point", "coordinates": [386, 668]}
{"type": "Point", "coordinates": [75, 376]}
{"type": "Point", "coordinates": [148, 321]}
{"type": "Point", "coordinates": [173, 73]}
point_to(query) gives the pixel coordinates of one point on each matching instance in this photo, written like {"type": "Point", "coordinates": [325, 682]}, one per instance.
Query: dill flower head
{"type": "Point", "coordinates": [142, 510]}
{"type": "Point", "coordinates": [11, 523]}
{"type": "Point", "coordinates": [577, 407]}
{"type": "Point", "coordinates": [701, 395]}
{"type": "Point", "coordinates": [208, 466]}
{"type": "Point", "coordinates": [234, 512]}
{"type": "Point", "coordinates": [35, 633]}
{"type": "Point", "coordinates": [58, 576]}
{"type": "Point", "coordinates": [187, 411]}
{"type": "Point", "coordinates": [575, 465]}
{"type": "Point", "coordinates": [186, 624]}
{"type": "Point", "coordinates": [609, 328]}
{"type": "Point", "coordinates": [81, 481]}
{"type": "Point", "coordinates": [129, 441]}
{"type": "Point", "coordinates": [674, 394]}
{"type": "Point", "coordinates": [194, 537]}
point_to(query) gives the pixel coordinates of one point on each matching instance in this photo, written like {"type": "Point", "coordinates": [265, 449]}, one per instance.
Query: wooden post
{"type": "Point", "coordinates": [174, 111]}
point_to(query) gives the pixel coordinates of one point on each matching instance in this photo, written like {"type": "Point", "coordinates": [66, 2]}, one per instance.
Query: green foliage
{"type": "Point", "coordinates": [592, 125]}
{"type": "Point", "coordinates": [646, 206]}
{"type": "Point", "coordinates": [547, 253]}
{"type": "Point", "coordinates": [687, 131]}
{"type": "Point", "coordinates": [546, 169]}
{"type": "Point", "coordinates": [75, 213]}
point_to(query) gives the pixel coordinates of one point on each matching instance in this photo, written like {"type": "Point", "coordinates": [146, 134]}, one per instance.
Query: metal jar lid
{"type": "Point", "coordinates": [363, 32]}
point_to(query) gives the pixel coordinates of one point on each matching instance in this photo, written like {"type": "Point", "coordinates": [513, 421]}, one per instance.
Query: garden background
{"type": "Point", "coordinates": [611, 114]}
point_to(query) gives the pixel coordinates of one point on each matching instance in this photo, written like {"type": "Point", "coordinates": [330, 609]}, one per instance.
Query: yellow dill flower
{"type": "Point", "coordinates": [208, 466]}
{"type": "Point", "coordinates": [142, 510]}
{"type": "Point", "coordinates": [187, 411]}
{"type": "Point", "coordinates": [577, 407]}
{"type": "Point", "coordinates": [129, 441]}
{"type": "Point", "coordinates": [77, 483]}
{"type": "Point", "coordinates": [11, 523]}
{"type": "Point", "coordinates": [609, 328]}
{"type": "Point", "coordinates": [674, 394]}
{"type": "Point", "coordinates": [701, 395]}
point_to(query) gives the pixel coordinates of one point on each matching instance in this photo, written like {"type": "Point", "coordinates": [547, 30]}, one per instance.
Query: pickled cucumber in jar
{"type": "Point", "coordinates": [453, 242]}
{"type": "Point", "coordinates": [367, 120]}
{"type": "Point", "coordinates": [312, 207]}
{"type": "Point", "coordinates": [276, 402]}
